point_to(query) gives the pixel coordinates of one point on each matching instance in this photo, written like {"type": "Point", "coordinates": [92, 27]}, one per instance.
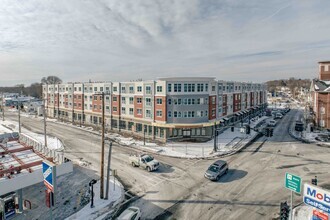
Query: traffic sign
{"type": "Point", "coordinates": [49, 173]}
{"type": "Point", "coordinates": [317, 197]}
{"type": "Point", "coordinates": [317, 215]}
{"type": "Point", "coordinates": [293, 182]}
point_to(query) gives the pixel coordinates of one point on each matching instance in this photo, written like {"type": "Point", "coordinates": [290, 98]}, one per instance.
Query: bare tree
{"type": "Point", "coordinates": [51, 80]}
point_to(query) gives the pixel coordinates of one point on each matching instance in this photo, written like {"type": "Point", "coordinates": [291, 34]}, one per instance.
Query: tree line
{"type": "Point", "coordinates": [292, 83]}
{"type": "Point", "coordinates": [35, 89]}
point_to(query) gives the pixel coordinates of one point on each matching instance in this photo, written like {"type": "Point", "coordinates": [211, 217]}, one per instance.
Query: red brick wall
{"type": "Point", "coordinates": [97, 100]}
{"type": "Point", "coordinates": [212, 106]}
{"type": "Point", "coordinates": [323, 100]}
{"type": "Point", "coordinates": [161, 107]}
{"type": "Point", "coordinates": [116, 104]}
{"type": "Point", "coordinates": [78, 100]}
{"type": "Point", "coordinates": [324, 75]}
{"type": "Point", "coordinates": [224, 105]}
{"type": "Point", "coordinates": [138, 106]}
{"type": "Point", "coordinates": [236, 102]}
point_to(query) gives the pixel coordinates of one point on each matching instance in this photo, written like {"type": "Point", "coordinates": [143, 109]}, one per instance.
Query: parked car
{"type": "Point", "coordinates": [299, 126]}
{"type": "Point", "coordinates": [272, 123]}
{"type": "Point", "coordinates": [216, 170]}
{"type": "Point", "coordinates": [131, 213]}
{"type": "Point", "coordinates": [144, 161]}
{"type": "Point", "coordinates": [278, 115]}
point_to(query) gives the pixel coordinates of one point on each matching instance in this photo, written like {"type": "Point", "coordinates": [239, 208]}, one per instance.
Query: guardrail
{"type": "Point", "coordinates": [57, 155]}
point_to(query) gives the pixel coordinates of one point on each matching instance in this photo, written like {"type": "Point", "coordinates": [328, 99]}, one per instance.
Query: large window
{"type": "Point", "coordinates": [148, 101]}
{"type": "Point", "coordinates": [177, 87]}
{"type": "Point", "coordinates": [148, 89]}
{"type": "Point", "coordinates": [159, 113]}
{"type": "Point", "coordinates": [139, 100]}
{"type": "Point", "coordinates": [159, 89]}
{"type": "Point", "coordinates": [139, 88]}
{"type": "Point", "coordinates": [169, 87]}
{"type": "Point", "coordinates": [159, 101]}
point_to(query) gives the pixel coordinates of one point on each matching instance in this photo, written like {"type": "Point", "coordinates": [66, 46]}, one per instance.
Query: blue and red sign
{"type": "Point", "coordinates": [47, 171]}
{"type": "Point", "coordinates": [317, 197]}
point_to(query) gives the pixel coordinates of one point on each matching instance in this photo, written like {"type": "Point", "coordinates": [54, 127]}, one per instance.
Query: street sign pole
{"type": "Point", "coordinates": [291, 204]}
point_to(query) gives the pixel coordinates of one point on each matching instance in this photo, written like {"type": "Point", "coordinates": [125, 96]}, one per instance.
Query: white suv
{"type": "Point", "coordinates": [272, 123]}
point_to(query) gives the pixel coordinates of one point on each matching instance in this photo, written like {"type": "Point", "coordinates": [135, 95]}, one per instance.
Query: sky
{"type": "Point", "coordinates": [240, 40]}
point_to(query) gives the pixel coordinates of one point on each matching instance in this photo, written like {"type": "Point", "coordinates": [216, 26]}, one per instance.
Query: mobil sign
{"type": "Point", "coordinates": [317, 197]}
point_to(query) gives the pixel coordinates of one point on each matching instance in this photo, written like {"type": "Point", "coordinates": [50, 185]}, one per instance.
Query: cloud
{"type": "Point", "coordinates": [117, 40]}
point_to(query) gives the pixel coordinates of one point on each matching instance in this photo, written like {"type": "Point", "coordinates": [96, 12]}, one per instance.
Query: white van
{"type": "Point", "coordinates": [272, 123]}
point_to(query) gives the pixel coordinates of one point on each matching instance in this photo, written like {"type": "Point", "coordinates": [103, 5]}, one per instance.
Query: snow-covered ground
{"type": "Point", "coordinates": [53, 143]}
{"type": "Point", "coordinates": [227, 141]}
{"type": "Point", "coordinates": [302, 212]}
{"type": "Point", "coordinates": [101, 207]}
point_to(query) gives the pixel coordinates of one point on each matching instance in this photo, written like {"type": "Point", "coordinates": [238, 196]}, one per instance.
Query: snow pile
{"type": "Point", "coordinates": [302, 212]}
{"type": "Point", "coordinates": [101, 207]}
{"type": "Point", "coordinates": [53, 143]}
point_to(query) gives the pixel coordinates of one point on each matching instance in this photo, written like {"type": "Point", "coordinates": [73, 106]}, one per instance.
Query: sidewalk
{"type": "Point", "coordinates": [102, 208]}
{"type": "Point", "coordinates": [227, 142]}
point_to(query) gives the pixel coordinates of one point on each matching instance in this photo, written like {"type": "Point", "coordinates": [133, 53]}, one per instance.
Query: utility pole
{"type": "Point", "coordinates": [19, 117]}
{"type": "Point", "coordinates": [45, 130]}
{"type": "Point", "coordinates": [215, 137]}
{"type": "Point", "coordinates": [102, 151]}
{"type": "Point", "coordinates": [108, 170]}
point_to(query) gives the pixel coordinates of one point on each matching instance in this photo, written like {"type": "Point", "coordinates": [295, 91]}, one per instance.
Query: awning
{"type": "Point", "coordinates": [222, 120]}
{"type": "Point", "coordinates": [227, 119]}
{"type": "Point", "coordinates": [237, 114]}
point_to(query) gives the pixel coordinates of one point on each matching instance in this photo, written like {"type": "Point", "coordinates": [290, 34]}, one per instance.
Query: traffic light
{"type": "Point", "coordinates": [248, 129]}
{"type": "Point", "coordinates": [271, 132]}
{"type": "Point", "coordinates": [232, 129]}
{"type": "Point", "coordinates": [314, 181]}
{"type": "Point", "coordinates": [284, 211]}
{"type": "Point", "coordinates": [267, 132]}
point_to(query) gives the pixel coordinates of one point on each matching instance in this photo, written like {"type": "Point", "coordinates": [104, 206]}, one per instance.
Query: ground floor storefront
{"type": "Point", "coordinates": [150, 130]}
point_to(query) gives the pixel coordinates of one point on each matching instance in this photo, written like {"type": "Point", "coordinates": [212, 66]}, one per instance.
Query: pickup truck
{"type": "Point", "coordinates": [144, 161]}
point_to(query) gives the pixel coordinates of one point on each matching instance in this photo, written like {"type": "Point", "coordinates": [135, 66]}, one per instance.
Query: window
{"type": "Point", "coordinates": [169, 101]}
{"type": "Point", "coordinates": [148, 101]}
{"type": "Point", "coordinates": [200, 87]}
{"type": "Point", "coordinates": [169, 114]}
{"type": "Point", "coordinates": [123, 100]}
{"type": "Point", "coordinates": [114, 109]}
{"type": "Point", "coordinates": [159, 113]}
{"type": "Point", "coordinates": [101, 89]}
{"type": "Point", "coordinates": [159, 101]}
{"type": "Point", "coordinates": [185, 101]}
{"type": "Point", "coordinates": [159, 89]}
{"type": "Point", "coordinates": [177, 87]}
{"type": "Point", "coordinates": [95, 89]}
{"type": "Point", "coordinates": [148, 89]}
{"type": "Point", "coordinates": [131, 100]}
{"type": "Point", "coordinates": [131, 89]}
{"type": "Point", "coordinates": [213, 100]}
{"type": "Point", "coordinates": [139, 100]}
{"type": "Point", "coordinates": [175, 115]}
{"type": "Point", "coordinates": [95, 97]}
{"type": "Point", "coordinates": [123, 89]}
{"type": "Point", "coordinates": [115, 88]}
{"type": "Point", "coordinates": [148, 113]}
{"type": "Point", "coordinates": [131, 110]}
{"type": "Point", "coordinates": [107, 88]}
{"type": "Point", "coordinates": [185, 87]}
{"type": "Point", "coordinates": [139, 111]}
{"type": "Point", "coordinates": [206, 87]}
{"type": "Point", "coordinates": [139, 88]}
{"type": "Point", "coordinates": [114, 98]}
{"type": "Point", "coordinates": [169, 87]}
{"type": "Point", "coordinates": [213, 88]}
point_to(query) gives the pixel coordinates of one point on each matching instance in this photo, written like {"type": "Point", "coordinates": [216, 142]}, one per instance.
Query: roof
{"type": "Point", "coordinates": [219, 162]}
{"type": "Point", "coordinates": [324, 62]}
{"type": "Point", "coordinates": [321, 85]}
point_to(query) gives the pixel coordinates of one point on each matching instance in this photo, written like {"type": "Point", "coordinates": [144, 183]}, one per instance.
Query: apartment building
{"type": "Point", "coordinates": [320, 95]}
{"type": "Point", "coordinates": [163, 109]}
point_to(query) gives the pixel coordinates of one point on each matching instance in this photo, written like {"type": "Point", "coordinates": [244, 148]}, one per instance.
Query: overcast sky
{"type": "Point", "coordinates": [241, 40]}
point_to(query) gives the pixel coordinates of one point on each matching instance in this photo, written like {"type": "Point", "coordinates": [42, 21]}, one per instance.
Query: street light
{"type": "Point", "coordinates": [91, 183]}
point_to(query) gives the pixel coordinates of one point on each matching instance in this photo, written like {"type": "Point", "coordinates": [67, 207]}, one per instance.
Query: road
{"type": "Point", "coordinates": [252, 189]}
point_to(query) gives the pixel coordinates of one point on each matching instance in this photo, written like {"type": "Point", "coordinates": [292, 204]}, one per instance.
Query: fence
{"type": "Point", "coordinates": [57, 155]}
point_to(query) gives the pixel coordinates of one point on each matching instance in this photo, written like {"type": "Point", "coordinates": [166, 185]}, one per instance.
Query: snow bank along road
{"type": "Point", "coordinates": [252, 189]}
